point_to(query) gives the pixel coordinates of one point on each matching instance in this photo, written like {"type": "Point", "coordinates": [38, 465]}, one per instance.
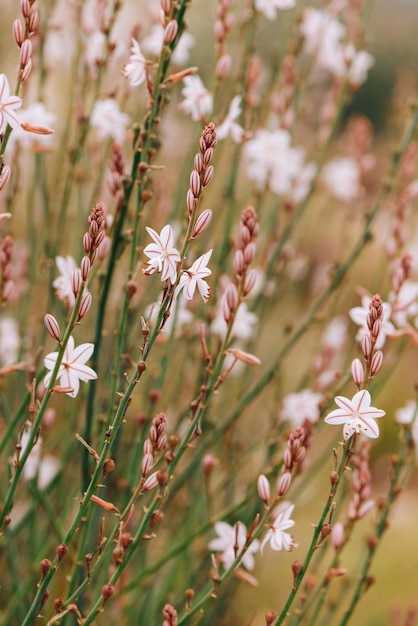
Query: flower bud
{"type": "Point", "coordinates": [376, 363]}
{"type": "Point", "coordinates": [85, 305]}
{"type": "Point", "coordinates": [357, 372]}
{"type": "Point", "coordinates": [171, 31]}
{"type": "Point", "coordinates": [25, 52]}
{"type": "Point", "coordinates": [195, 183]}
{"type": "Point", "coordinates": [284, 483]}
{"type": "Point", "coordinates": [208, 175]}
{"type": "Point", "coordinates": [223, 66]}
{"type": "Point", "coordinates": [263, 489]}
{"type": "Point", "coordinates": [52, 327]}
{"type": "Point", "coordinates": [18, 32]}
{"type": "Point", "coordinates": [202, 222]}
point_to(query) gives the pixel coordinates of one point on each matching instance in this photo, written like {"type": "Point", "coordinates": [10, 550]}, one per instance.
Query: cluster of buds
{"type": "Point", "coordinates": [245, 250]}
{"type": "Point", "coordinates": [6, 283]}
{"type": "Point", "coordinates": [298, 443]}
{"type": "Point", "coordinates": [23, 33]}
{"type": "Point", "coordinates": [373, 358]}
{"type": "Point", "coordinates": [282, 100]}
{"type": "Point", "coordinates": [93, 239]}
{"type": "Point", "coordinates": [360, 485]}
{"type": "Point", "coordinates": [170, 615]}
{"type": "Point", "coordinates": [200, 178]}
{"type": "Point", "coordinates": [170, 25]}
{"type": "Point", "coordinates": [223, 24]}
{"type": "Point", "coordinates": [155, 443]}
{"type": "Point", "coordinates": [116, 174]}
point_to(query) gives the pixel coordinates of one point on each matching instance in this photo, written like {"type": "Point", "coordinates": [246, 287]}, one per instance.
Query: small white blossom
{"type": "Point", "coordinates": [269, 7]}
{"type": "Point", "coordinates": [342, 177]}
{"type": "Point", "coordinates": [109, 121]}
{"type": "Point", "coordinates": [277, 536]}
{"type": "Point", "coordinates": [273, 162]}
{"type": "Point", "coordinates": [359, 316]}
{"type": "Point", "coordinates": [194, 277]}
{"type": "Point", "coordinates": [8, 106]}
{"type": "Point", "coordinates": [229, 125]}
{"type": "Point", "coordinates": [197, 100]}
{"type": "Point", "coordinates": [404, 303]}
{"type": "Point", "coordinates": [228, 537]}
{"type": "Point", "coordinates": [63, 283]}
{"type": "Point", "coordinates": [359, 63]}
{"type": "Point", "coordinates": [243, 326]}
{"type": "Point", "coordinates": [153, 43]}
{"type": "Point", "coordinates": [9, 341]}
{"type": "Point", "coordinates": [300, 406]}
{"type": "Point", "coordinates": [73, 366]}
{"type": "Point", "coordinates": [135, 71]}
{"type": "Point", "coordinates": [357, 415]}
{"type": "Point", "coordinates": [334, 336]}
{"type": "Point", "coordinates": [162, 254]}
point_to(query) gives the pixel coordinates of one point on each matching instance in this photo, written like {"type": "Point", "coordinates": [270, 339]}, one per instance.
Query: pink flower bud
{"type": "Point", "coordinates": [209, 462]}
{"type": "Point", "coordinates": [190, 201]}
{"type": "Point", "coordinates": [25, 7]}
{"type": "Point", "coordinates": [33, 21]}
{"type": "Point", "coordinates": [376, 363]}
{"type": "Point", "coordinates": [202, 222]}
{"type": "Point", "coordinates": [166, 5]}
{"type": "Point", "coordinates": [337, 535]}
{"type": "Point", "coordinates": [263, 488]}
{"type": "Point", "coordinates": [245, 357]}
{"type": "Point", "coordinates": [85, 267]}
{"type": "Point", "coordinates": [208, 156]}
{"type": "Point", "coordinates": [25, 52]}
{"type": "Point", "coordinates": [231, 296]}
{"type": "Point", "coordinates": [208, 175]}
{"type": "Point", "coordinates": [195, 183]}
{"type": "Point", "coordinates": [5, 176]}
{"type": "Point", "coordinates": [357, 372]}
{"type": "Point", "coordinates": [24, 74]}
{"type": "Point", "coordinates": [198, 162]}
{"type": "Point", "coordinates": [249, 282]}
{"type": "Point", "coordinates": [146, 464]}
{"type": "Point", "coordinates": [52, 327]}
{"type": "Point", "coordinates": [366, 345]}
{"type": "Point", "coordinates": [283, 483]}
{"type": "Point", "coordinates": [376, 328]}
{"type": "Point", "coordinates": [87, 241]}
{"type": "Point", "coordinates": [238, 262]}
{"type": "Point", "coordinates": [171, 31]}
{"type": "Point", "coordinates": [85, 305]}
{"type": "Point", "coordinates": [76, 281]}
{"type": "Point", "coordinates": [219, 31]}
{"type": "Point", "coordinates": [223, 66]}
{"type": "Point", "coordinates": [249, 252]}
{"type": "Point", "coordinates": [18, 32]}
{"type": "Point", "coordinates": [151, 481]}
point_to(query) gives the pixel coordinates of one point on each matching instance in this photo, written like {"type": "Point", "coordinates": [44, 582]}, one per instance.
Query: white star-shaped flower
{"type": "Point", "coordinates": [63, 282]}
{"type": "Point", "coordinates": [194, 277]}
{"type": "Point", "coordinates": [229, 125]}
{"type": "Point", "coordinates": [73, 366]}
{"type": "Point", "coordinates": [162, 254]}
{"type": "Point", "coordinates": [228, 537]}
{"type": "Point", "coordinates": [135, 70]}
{"type": "Point", "coordinates": [197, 99]}
{"type": "Point", "coordinates": [276, 535]}
{"type": "Point", "coordinates": [8, 104]}
{"type": "Point", "coordinates": [357, 415]}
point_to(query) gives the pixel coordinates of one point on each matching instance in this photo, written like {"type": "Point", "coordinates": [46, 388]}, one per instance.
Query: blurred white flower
{"type": "Point", "coordinates": [197, 100]}
{"type": "Point", "coordinates": [404, 303]}
{"type": "Point", "coordinates": [273, 162]}
{"type": "Point", "coordinates": [9, 341]}
{"type": "Point", "coordinates": [36, 114]}
{"type": "Point", "coordinates": [301, 185]}
{"type": "Point", "coordinates": [162, 254]}
{"type": "Point", "coordinates": [228, 538]}
{"type": "Point", "coordinates": [229, 126]}
{"type": "Point", "coordinates": [269, 7]}
{"type": "Point", "coordinates": [300, 406]}
{"type": "Point", "coordinates": [109, 121]}
{"type": "Point", "coordinates": [63, 283]}
{"type": "Point", "coordinates": [73, 366]}
{"type": "Point", "coordinates": [135, 71]}
{"type": "Point", "coordinates": [276, 535]}
{"type": "Point", "coordinates": [359, 316]}
{"type": "Point", "coordinates": [8, 106]}
{"type": "Point", "coordinates": [95, 51]}
{"type": "Point", "coordinates": [244, 323]}
{"type": "Point", "coordinates": [153, 43]}
{"type": "Point", "coordinates": [359, 63]}
{"type": "Point", "coordinates": [30, 468]}
{"type": "Point", "coordinates": [342, 177]}
{"type": "Point", "coordinates": [195, 277]}
{"type": "Point", "coordinates": [356, 414]}
{"type": "Point", "coordinates": [334, 336]}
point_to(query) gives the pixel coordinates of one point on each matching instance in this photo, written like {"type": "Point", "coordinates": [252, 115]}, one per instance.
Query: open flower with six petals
{"type": "Point", "coordinates": [162, 254]}
{"type": "Point", "coordinates": [277, 536]}
{"type": "Point", "coordinates": [73, 366]}
{"type": "Point", "coordinates": [357, 415]}
{"type": "Point", "coordinates": [194, 277]}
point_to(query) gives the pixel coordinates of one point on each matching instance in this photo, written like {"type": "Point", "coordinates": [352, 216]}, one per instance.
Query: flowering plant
{"type": "Point", "coordinates": [195, 225]}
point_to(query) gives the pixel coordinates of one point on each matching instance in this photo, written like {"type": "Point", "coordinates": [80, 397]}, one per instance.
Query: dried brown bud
{"type": "Point", "coordinates": [107, 592]}
{"type": "Point", "coordinates": [270, 618]}
{"type": "Point", "coordinates": [108, 466]}
{"type": "Point", "coordinates": [61, 551]}
{"type": "Point", "coordinates": [45, 565]}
